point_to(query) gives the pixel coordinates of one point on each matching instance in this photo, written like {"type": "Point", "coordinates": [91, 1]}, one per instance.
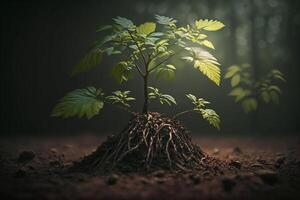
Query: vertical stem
{"type": "Point", "coordinates": [145, 107]}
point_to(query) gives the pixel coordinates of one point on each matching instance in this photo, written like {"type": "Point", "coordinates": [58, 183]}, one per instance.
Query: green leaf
{"type": "Point", "coordinates": [276, 74]}
{"type": "Point", "coordinates": [279, 77]}
{"type": "Point", "coordinates": [206, 63]}
{"type": "Point", "coordinates": [274, 97]}
{"type": "Point", "coordinates": [103, 28]}
{"type": "Point", "coordinates": [192, 97]}
{"type": "Point", "coordinates": [249, 104]}
{"type": "Point", "coordinates": [111, 51]}
{"type": "Point", "coordinates": [232, 70]}
{"type": "Point", "coordinates": [210, 70]}
{"type": "Point", "coordinates": [201, 36]}
{"type": "Point", "coordinates": [165, 20]}
{"type": "Point", "coordinates": [167, 73]}
{"type": "Point", "coordinates": [124, 22]}
{"type": "Point", "coordinates": [169, 66]}
{"type": "Point", "coordinates": [209, 25]}
{"type": "Point", "coordinates": [208, 114]}
{"type": "Point", "coordinates": [89, 61]}
{"type": "Point", "coordinates": [240, 93]}
{"type": "Point", "coordinates": [121, 72]}
{"type": "Point", "coordinates": [266, 97]}
{"type": "Point", "coordinates": [168, 99]}
{"type": "Point", "coordinates": [235, 80]}
{"type": "Point", "coordinates": [154, 93]}
{"type": "Point", "coordinates": [157, 34]}
{"type": "Point", "coordinates": [212, 117]}
{"type": "Point", "coordinates": [275, 88]}
{"type": "Point", "coordinates": [146, 28]}
{"type": "Point", "coordinates": [80, 102]}
{"type": "Point", "coordinates": [276, 71]}
{"type": "Point", "coordinates": [188, 58]}
{"type": "Point", "coordinates": [208, 44]}
{"type": "Point", "coordinates": [120, 98]}
{"type": "Point", "coordinates": [236, 91]}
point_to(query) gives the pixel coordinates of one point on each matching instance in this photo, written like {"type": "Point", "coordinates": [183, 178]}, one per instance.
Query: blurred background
{"type": "Point", "coordinates": [41, 42]}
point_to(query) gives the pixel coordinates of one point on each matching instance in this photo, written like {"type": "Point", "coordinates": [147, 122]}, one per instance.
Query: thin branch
{"type": "Point", "coordinates": [156, 66]}
{"type": "Point", "coordinates": [163, 61]}
{"type": "Point", "coordinates": [139, 48]}
{"type": "Point", "coordinates": [182, 113]}
{"type": "Point", "coordinates": [139, 70]}
{"type": "Point", "coordinates": [136, 66]}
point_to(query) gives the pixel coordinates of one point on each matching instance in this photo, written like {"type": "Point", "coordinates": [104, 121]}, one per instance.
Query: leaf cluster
{"type": "Point", "coordinates": [153, 44]}
{"type": "Point", "coordinates": [249, 92]}
{"type": "Point", "coordinates": [208, 114]}
{"type": "Point", "coordinates": [155, 94]}
{"type": "Point", "coordinates": [120, 98]}
{"type": "Point", "coordinates": [88, 102]}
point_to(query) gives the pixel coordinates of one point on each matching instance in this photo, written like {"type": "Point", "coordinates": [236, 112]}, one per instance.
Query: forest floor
{"type": "Point", "coordinates": [263, 168]}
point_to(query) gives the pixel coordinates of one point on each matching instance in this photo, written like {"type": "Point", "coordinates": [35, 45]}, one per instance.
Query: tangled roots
{"type": "Point", "coordinates": [148, 143]}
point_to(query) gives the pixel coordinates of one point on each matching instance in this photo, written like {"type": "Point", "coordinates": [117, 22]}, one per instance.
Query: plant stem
{"type": "Point", "coordinates": [182, 113]}
{"type": "Point", "coordinates": [145, 75]}
{"type": "Point", "coordinates": [145, 106]}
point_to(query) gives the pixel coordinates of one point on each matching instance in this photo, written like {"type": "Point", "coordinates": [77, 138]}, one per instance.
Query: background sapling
{"type": "Point", "coordinates": [250, 92]}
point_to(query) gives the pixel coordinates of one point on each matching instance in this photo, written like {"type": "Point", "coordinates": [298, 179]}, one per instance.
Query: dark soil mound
{"type": "Point", "coordinates": [149, 142]}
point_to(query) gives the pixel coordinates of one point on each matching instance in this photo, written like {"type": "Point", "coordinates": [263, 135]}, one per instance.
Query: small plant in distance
{"type": "Point", "coordinates": [251, 93]}
{"type": "Point", "coordinates": [151, 140]}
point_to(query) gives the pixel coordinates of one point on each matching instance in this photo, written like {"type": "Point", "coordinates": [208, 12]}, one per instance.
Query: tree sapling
{"type": "Point", "coordinates": [151, 140]}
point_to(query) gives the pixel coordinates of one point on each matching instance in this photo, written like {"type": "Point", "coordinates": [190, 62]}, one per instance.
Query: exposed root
{"type": "Point", "coordinates": [148, 143]}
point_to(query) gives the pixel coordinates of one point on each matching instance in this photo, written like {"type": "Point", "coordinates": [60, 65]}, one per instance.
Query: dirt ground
{"type": "Point", "coordinates": [261, 168]}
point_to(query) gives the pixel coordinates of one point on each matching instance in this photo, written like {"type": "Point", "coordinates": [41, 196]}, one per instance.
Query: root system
{"type": "Point", "coordinates": [149, 142]}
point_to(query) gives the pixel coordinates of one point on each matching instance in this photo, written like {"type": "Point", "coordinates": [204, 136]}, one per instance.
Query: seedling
{"type": "Point", "coordinates": [249, 92]}
{"type": "Point", "coordinates": [151, 140]}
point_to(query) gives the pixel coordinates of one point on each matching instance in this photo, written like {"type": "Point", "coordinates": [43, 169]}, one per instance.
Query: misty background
{"type": "Point", "coordinates": [41, 42]}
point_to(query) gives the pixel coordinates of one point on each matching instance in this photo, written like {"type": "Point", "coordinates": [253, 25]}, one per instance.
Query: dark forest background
{"type": "Point", "coordinates": [41, 41]}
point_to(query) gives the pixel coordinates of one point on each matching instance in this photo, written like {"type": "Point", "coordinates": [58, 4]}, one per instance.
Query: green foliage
{"type": "Point", "coordinates": [165, 20]}
{"type": "Point", "coordinates": [209, 25]}
{"type": "Point", "coordinates": [205, 62]}
{"type": "Point", "coordinates": [120, 98]}
{"type": "Point", "coordinates": [147, 45]}
{"type": "Point", "coordinates": [80, 102]}
{"type": "Point", "coordinates": [208, 114]}
{"type": "Point", "coordinates": [122, 71]}
{"type": "Point", "coordinates": [146, 28]}
{"type": "Point", "coordinates": [124, 23]}
{"type": "Point", "coordinates": [91, 60]}
{"type": "Point", "coordinates": [249, 92]}
{"type": "Point", "coordinates": [167, 72]}
{"type": "Point", "coordinates": [211, 116]}
{"type": "Point", "coordinates": [147, 49]}
{"type": "Point", "coordinates": [154, 93]}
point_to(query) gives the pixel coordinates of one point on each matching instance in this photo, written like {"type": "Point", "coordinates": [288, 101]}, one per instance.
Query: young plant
{"type": "Point", "coordinates": [146, 50]}
{"type": "Point", "coordinates": [249, 92]}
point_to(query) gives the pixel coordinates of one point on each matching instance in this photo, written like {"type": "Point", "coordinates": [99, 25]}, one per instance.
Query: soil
{"type": "Point", "coordinates": [148, 143]}
{"type": "Point", "coordinates": [256, 168]}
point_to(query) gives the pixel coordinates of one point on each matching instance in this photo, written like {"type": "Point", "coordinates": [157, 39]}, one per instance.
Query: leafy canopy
{"type": "Point", "coordinates": [249, 92]}
{"type": "Point", "coordinates": [156, 45]}
{"type": "Point", "coordinates": [144, 49]}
